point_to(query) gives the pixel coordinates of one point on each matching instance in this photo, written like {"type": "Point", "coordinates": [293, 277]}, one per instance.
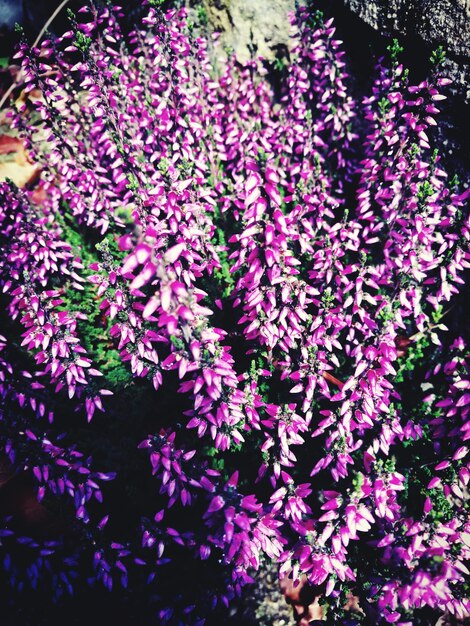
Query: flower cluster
{"type": "Point", "coordinates": [252, 293]}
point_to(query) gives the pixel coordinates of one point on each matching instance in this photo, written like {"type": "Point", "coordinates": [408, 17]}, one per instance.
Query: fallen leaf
{"type": "Point", "coordinates": [18, 169]}
{"type": "Point", "coordinates": [21, 175]}
{"type": "Point", "coordinates": [10, 144]}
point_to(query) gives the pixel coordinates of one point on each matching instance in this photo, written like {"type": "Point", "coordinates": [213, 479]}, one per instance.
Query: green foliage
{"type": "Point", "coordinates": [425, 191]}
{"type": "Point", "coordinates": [263, 387]}
{"type": "Point", "coordinates": [216, 462]}
{"type": "Point", "coordinates": [454, 183]}
{"type": "Point", "coordinates": [124, 214]}
{"type": "Point", "coordinates": [163, 166]}
{"type": "Point", "coordinates": [202, 16]}
{"type": "Point", "coordinates": [415, 354]}
{"type": "Point", "coordinates": [442, 509]}
{"type": "Point", "coordinates": [316, 19]}
{"type": "Point", "coordinates": [133, 183]}
{"type": "Point", "coordinates": [438, 56]}
{"type": "Point", "coordinates": [223, 276]}
{"type": "Point", "coordinates": [261, 158]}
{"type": "Point", "coordinates": [387, 466]}
{"type": "Point", "coordinates": [177, 342]}
{"type": "Point", "coordinates": [94, 330]}
{"type": "Point", "coordinates": [357, 482]}
{"type": "Point", "coordinates": [395, 50]}
{"type": "Point", "coordinates": [82, 42]}
{"type": "Point", "coordinates": [384, 106]}
{"type": "Point", "coordinates": [328, 298]}
{"type": "Point", "coordinates": [280, 63]}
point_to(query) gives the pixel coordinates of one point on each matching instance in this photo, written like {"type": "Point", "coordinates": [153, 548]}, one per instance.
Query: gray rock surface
{"type": "Point", "coordinates": [263, 604]}
{"type": "Point", "coordinates": [252, 27]}
{"type": "Point", "coordinates": [10, 12]}
{"type": "Point", "coordinates": [436, 22]}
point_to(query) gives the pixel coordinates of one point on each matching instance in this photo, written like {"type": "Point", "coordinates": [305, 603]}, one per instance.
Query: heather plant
{"type": "Point", "coordinates": [223, 327]}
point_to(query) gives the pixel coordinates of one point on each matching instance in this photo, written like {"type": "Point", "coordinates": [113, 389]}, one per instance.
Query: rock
{"type": "Point", "coordinates": [11, 11]}
{"type": "Point", "coordinates": [252, 27]}
{"type": "Point", "coordinates": [263, 603]}
{"type": "Point", "coordinates": [367, 26]}
{"type": "Point", "coordinates": [435, 22]}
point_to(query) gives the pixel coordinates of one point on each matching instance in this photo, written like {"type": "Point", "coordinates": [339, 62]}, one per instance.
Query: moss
{"type": "Point", "coordinates": [415, 355]}
{"type": "Point", "coordinates": [94, 330]}
{"type": "Point", "coordinates": [442, 509]}
{"type": "Point", "coordinates": [224, 279]}
{"type": "Point", "coordinates": [202, 16]}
